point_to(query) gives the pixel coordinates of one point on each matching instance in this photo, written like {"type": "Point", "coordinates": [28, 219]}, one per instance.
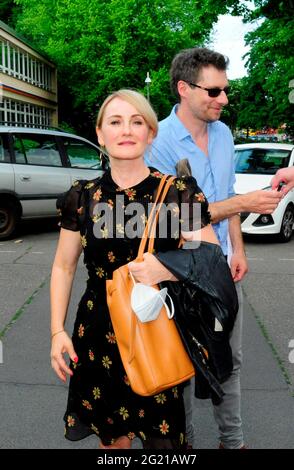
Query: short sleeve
{"type": "Point", "coordinates": [69, 207]}
{"type": "Point", "coordinates": [193, 205]}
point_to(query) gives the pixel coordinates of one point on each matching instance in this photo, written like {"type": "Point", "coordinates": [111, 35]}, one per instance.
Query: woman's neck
{"type": "Point", "coordinates": [128, 173]}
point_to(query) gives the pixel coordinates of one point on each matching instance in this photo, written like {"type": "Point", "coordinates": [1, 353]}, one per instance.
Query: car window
{"type": "Point", "coordinates": [81, 155]}
{"type": "Point", "coordinates": [261, 161]}
{"type": "Point", "coordinates": [36, 150]}
{"type": "Point", "coordinates": [4, 156]}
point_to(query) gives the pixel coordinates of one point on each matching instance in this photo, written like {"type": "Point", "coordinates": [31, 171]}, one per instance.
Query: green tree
{"type": "Point", "coordinates": [265, 99]}
{"type": "Point", "coordinates": [231, 112]}
{"type": "Point", "coordinates": [8, 12]}
{"type": "Point", "coordinates": [100, 46]}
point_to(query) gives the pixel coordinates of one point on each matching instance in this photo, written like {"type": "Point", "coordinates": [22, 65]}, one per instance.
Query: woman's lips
{"type": "Point", "coordinates": [127, 142]}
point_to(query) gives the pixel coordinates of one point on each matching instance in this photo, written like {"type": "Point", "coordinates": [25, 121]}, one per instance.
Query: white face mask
{"type": "Point", "coordinates": [147, 302]}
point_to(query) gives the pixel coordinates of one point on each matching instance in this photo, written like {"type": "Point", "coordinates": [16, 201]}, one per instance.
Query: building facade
{"type": "Point", "coordinates": [28, 83]}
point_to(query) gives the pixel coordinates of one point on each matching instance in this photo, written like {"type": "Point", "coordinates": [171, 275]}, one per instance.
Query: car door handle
{"type": "Point", "coordinates": [25, 178]}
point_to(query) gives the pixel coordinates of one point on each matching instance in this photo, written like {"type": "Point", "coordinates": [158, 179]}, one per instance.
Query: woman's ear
{"type": "Point", "coordinates": [150, 136]}
{"type": "Point", "coordinates": [99, 135]}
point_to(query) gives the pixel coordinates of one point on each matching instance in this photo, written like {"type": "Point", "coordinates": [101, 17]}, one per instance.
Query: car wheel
{"type": "Point", "coordinates": [8, 220]}
{"type": "Point", "coordinates": [287, 225]}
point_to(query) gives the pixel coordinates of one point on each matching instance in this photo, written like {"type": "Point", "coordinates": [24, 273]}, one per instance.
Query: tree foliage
{"type": "Point", "coordinates": [8, 12]}
{"type": "Point", "coordinates": [102, 45]}
{"type": "Point", "coordinates": [265, 97]}
{"type": "Point", "coordinates": [232, 111]}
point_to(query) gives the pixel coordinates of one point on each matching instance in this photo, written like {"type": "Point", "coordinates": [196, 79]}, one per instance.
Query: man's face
{"type": "Point", "coordinates": [202, 106]}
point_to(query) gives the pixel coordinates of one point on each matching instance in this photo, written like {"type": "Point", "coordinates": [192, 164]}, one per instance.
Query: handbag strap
{"type": "Point", "coordinates": [151, 223]}
{"type": "Point", "coordinates": [150, 227]}
{"type": "Point", "coordinates": [155, 221]}
{"type": "Point", "coordinates": [148, 223]}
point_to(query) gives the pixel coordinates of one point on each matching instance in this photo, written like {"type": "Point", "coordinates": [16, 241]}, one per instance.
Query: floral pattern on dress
{"type": "Point", "coordinates": [131, 193]}
{"type": "Point", "coordinates": [111, 337]}
{"type": "Point", "coordinates": [96, 393]}
{"type": "Point", "coordinates": [180, 185]}
{"type": "Point", "coordinates": [200, 197]}
{"type": "Point", "coordinates": [124, 413]}
{"type": "Point", "coordinates": [97, 195]}
{"type": "Point", "coordinates": [90, 305]}
{"type": "Point", "coordinates": [111, 256]}
{"type": "Point", "coordinates": [164, 427]}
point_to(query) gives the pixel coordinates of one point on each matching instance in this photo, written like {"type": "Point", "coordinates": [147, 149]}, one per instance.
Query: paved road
{"type": "Point", "coordinates": [33, 400]}
{"type": "Point", "coordinates": [269, 287]}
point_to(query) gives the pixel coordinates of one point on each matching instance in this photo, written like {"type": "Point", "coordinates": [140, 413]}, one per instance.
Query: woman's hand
{"type": "Point", "coordinates": [61, 343]}
{"type": "Point", "coordinates": [150, 271]}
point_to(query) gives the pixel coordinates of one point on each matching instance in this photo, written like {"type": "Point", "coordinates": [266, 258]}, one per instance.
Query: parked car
{"type": "Point", "coordinates": [255, 166]}
{"type": "Point", "coordinates": [36, 166]}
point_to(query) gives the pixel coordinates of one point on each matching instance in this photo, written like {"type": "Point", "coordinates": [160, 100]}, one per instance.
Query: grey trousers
{"type": "Point", "coordinates": [228, 414]}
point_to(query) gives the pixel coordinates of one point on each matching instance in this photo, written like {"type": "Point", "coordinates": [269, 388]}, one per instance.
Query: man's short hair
{"type": "Point", "coordinates": [188, 64]}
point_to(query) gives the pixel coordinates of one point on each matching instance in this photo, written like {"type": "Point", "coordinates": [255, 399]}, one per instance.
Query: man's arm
{"type": "Point", "coordinates": [238, 261]}
{"type": "Point", "coordinates": [259, 202]}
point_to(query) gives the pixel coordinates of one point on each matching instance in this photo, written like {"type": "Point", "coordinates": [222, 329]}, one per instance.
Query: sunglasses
{"type": "Point", "coordinates": [212, 92]}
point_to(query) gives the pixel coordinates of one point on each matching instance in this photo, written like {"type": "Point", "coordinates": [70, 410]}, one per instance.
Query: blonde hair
{"type": "Point", "coordinates": [137, 100]}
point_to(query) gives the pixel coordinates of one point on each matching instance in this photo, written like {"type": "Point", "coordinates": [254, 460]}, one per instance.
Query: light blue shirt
{"type": "Point", "coordinates": [215, 173]}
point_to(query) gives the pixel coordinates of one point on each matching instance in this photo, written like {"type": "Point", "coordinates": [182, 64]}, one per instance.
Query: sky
{"type": "Point", "coordinates": [228, 38]}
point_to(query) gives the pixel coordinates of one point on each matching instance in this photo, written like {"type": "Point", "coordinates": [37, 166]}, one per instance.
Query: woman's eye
{"type": "Point", "coordinates": [138, 123]}
{"type": "Point", "coordinates": [114, 122]}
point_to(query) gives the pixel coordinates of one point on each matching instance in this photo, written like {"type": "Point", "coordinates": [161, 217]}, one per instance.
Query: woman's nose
{"type": "Point", "coordinates": [126, 128]}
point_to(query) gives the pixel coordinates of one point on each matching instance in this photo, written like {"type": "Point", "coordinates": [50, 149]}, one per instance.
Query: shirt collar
{"type": "Point", "coordinates": [177, 125]}
{"type": "Point", "coordinates": [179, 128]}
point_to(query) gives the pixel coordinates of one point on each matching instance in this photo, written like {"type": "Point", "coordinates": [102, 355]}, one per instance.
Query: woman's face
{"type": "Point", "coordinates": [124, 132]}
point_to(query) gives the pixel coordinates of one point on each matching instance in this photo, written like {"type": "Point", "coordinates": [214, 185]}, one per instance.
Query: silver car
{"type": "Point", "coordinates": [36, 166]}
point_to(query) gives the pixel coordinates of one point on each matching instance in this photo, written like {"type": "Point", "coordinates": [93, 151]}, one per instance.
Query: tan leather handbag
{"type": "Point", "coordinates": [152, 353]}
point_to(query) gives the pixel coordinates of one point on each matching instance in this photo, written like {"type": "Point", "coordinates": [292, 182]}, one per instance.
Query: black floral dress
{"type": "Point", "coordinates": [100, 398]}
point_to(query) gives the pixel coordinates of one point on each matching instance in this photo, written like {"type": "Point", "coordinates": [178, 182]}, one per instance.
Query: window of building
{"type": "Point", "coordinates": [17, 113]}
{"type": "Point", "coordinates": [20, 64]}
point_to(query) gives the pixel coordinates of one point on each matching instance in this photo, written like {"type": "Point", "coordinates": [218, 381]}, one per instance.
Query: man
{"type": "Point", "coordinates": [285, 175]}
{"type": "Point", "coordinates": [193, 131]}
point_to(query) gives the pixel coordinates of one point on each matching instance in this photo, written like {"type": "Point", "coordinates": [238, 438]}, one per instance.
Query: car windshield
{"type": "Point", "coordinates": [261, 161]}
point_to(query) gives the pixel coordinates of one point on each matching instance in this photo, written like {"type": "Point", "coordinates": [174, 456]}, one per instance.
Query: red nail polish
{"type": "Point", "coordinates": [76, 359]}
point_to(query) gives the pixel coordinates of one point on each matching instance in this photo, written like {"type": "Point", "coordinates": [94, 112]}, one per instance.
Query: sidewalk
{"type": "Point", "coordinates": [33, 400]}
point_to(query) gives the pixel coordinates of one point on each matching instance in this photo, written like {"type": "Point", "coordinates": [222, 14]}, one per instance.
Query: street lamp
{"type": "Point", "coordinates": [148, 81]}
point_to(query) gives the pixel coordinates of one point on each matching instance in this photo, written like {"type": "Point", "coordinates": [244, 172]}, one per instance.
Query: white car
{"type": "Point", "coordinates": [255, 165]}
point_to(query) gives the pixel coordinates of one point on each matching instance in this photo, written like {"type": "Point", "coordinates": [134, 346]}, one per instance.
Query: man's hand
{"type": "Point", "coordinates": [261, 202]}
{"type": "Point", "coordinates": [238, 266]}
{"type": "Point", "coordinates": [284, 175]}
{"type": "Point", "coordinates": [150, 271]}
